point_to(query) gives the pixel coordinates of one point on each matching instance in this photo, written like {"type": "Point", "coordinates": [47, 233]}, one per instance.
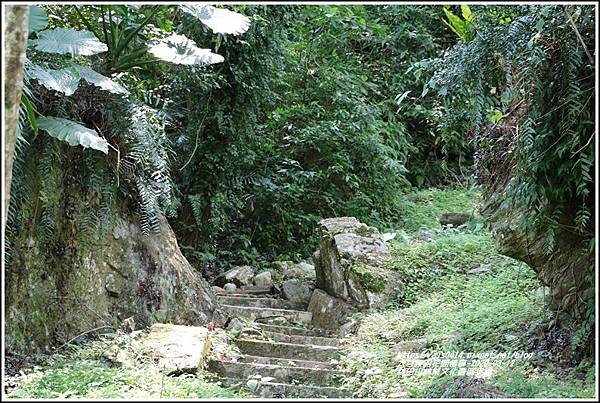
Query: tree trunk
{"type": "Point", "coordinates": [15, 42]}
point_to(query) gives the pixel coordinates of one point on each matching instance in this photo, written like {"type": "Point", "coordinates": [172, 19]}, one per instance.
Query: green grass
{"type": "Point", "coordinates": [424, 265]}
{"type": "Point", "coordinates": [84, 373]}
{"type": "Point", "coordinates": [421, 208]}
{"type": "Point", "coordinates": [447, 309]}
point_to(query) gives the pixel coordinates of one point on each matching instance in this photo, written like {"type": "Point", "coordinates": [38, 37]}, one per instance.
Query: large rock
{"type": "Point", "coordinates": [329, 312]}
{"type": "Point", "coordinates": [240, 276]}
{"type": "Point", "coordinates": [454, 219]}
{"type": "Point", "coordinates": [303, 270]}
{"type": "Point", "coordinates": [178, 349]}
{"type": "Point", "coordinates": [263, 279]}
{"type": "Point", "coordinates": [103, 279]}
{"type": "Point", "coordinates": [296, 291]}
{"type": "Point", "coordinates": [348, 263]}
{"type": "Point", "coordinates": [230, 287]}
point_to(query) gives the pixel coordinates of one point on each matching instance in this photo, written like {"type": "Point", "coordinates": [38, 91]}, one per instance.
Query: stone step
{"type": "Point", "coordinates": [273, 389]}
{"type": "Point", "coordinates": [285, 374]}
{"type": "Point", "coordinates": [285, 362]}
{"type": "Point", "coordinates": [293, 330]}
{"type": "Point", "coordinates": [285, 390]}
{"type": "Point", "coordinates": [287, 350]}
{"type": "Point", "coordinates": [296, 339]}
{"type": "Point", "coordinates": [247, 290]}
{"type": "Point", "coordinates": [261, 302]}
{"type": "Point", "coordinates": [260, 313]}
{"type": "Point", "coordinates": [242, 295]}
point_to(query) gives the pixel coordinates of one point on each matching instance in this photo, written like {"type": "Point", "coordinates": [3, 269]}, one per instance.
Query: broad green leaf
{"type": "Point", "coordinates": [38, 19]}
{"type": "Point", "coordinates": [63, 80]}
{"type": "Point", "coordinates": [180, 50]}
{"type": "Point", "coordinates": [30, 111]}
{"type": "Point", "coordinates": [101, 81]}
{"type": "Point", "coordinates": [63, 41]}
{"type": "Point", "coordinates": [400, 98]}
{"type": "Point", "coordinates": [456, 24]}
{"type": "Point", "coordinates": [425, 90]}
{"type": "Point", "coordinates": [219, 20]}
{"type": "Point", "coordinates": [466, 12]}
{"type": "Point", "coordinates": [73, 133]}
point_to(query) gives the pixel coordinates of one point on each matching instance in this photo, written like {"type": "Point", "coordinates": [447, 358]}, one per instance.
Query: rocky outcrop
{"type": "Point", "coordinates": [348, 263]}
{"type": "Point", "coordinates": [100, 281]}
{"type": "Point", "coordinates": [564, 271]}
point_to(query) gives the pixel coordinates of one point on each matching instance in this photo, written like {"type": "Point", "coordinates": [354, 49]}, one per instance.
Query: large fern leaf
{"type": "Point", "coordinates": [220, 20]}
{"type": "Point", "coordinates": [63, 80]}
{"type": "Point", "coordinates": [180, 50]}
{"type": "Point", "coordinates": [38, 19]}
{"type": "Point", "coordinates": [73, 133]}
{"type": "Point", "coordinates": [101, 81]}
{"type": "Point", "coordinates": [63, 41]}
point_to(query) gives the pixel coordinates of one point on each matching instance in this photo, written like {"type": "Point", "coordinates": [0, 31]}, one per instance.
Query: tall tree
{"type": "Point", "coordinates": [15, 42]}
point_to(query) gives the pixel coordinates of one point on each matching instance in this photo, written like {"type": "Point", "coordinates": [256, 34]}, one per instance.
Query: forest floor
{"type": "Point", "coordinates": [459, 295]}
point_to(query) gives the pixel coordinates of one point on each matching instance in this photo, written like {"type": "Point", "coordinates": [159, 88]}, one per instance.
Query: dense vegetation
{"type": "Point", "coordinates": [461, 295]}
{"type": "Point", "coordinates": [246, 138]}
{"type": "Point", "coordinates": [445, 307]}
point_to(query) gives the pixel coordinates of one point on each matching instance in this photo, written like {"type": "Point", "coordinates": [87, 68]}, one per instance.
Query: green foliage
{"type": "Point", "coordinates": [146, 164]}
{"type": "Point", "coordinates": [425, 264]}
{"type": "Point", "coordinates": [529, 58]}
{"type": "Point", "coordinates": [65, 80]}
{"type": "Point", "coordinates": [300, 130]}
{"type": "Point", "coordinates": [68, 41]}
{"type": "Point", "coordinates": [471, 313]}
{"type": "Point", "coordinates": [38, 18]}
{"type": "Point", "coordinates": [461, 27]}
{"type": "Point", "coordinates": [180, 50]}
{"type": "Point", "coordinates": [72, 133]}
{"type": "Point", "coordinates": [517, 383]}
{"type": "Point", "coordinates": [141, 139]}
{"type": "Point", "coordinates": [475, 311]}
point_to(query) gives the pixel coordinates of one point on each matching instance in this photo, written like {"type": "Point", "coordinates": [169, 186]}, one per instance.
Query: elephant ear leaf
{"type": "Point", "coordinates": [72, 133]}
{"type": "Point", "coordinates": [219, 20]}
{"type": "Point", "coordinates": [63, 80]}
{"type": "Point", "coordinates": [69, 41]}
{"type": "Point", "coordinates": [38, 19]}
{"type": "Point", "coordinates": [180, 50]}
{"type": "Point", "coordinates": [97, 79]}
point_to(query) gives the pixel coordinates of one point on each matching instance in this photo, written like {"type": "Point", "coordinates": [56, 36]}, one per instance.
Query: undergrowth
{"type": "Point", "coordinates": [458, 294]}
{"type": "Point", "coordinates": [85, 372]}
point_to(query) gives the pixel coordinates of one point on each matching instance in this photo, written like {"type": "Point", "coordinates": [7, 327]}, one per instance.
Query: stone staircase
{"type": "Point", "coordinates": [292, 358]}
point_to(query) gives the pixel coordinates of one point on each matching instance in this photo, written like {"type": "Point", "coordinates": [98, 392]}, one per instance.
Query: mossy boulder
{"type": "Point", "coordinates": [101, 280]}
{"type": "Point", "coordinates": [348, 263]}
